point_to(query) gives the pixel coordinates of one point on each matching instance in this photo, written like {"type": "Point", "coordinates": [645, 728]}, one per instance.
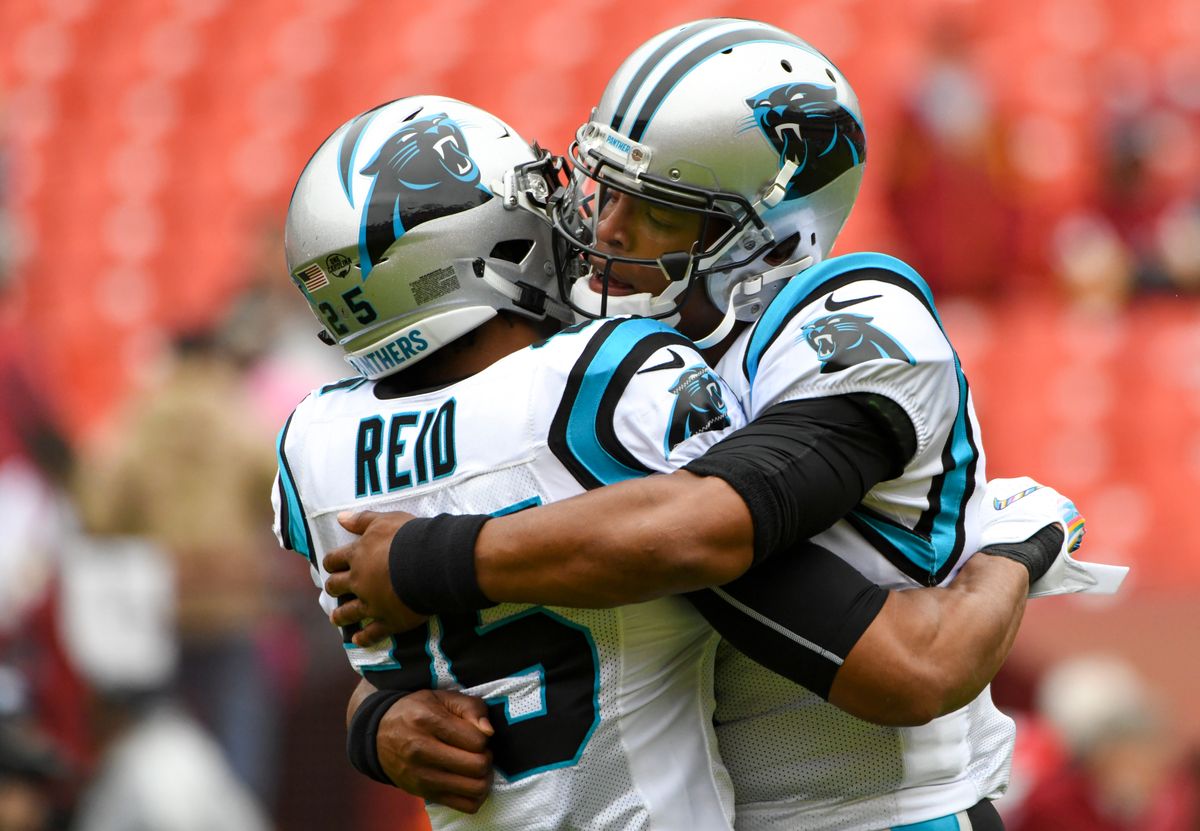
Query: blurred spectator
{"type": "Point", "coordinates": [948, 187]}
{"type": "Point", "coordinates": [158, 769]}
{"type": "Point", "coordinates": [1121, 771]}
{"type": "Point", "coordinates": [1177, 238]}
{"type": "Point", "coordinates": [1093, 263]}
{"type": "Point", "coordinates": [1143, 236]}
{"type": "Point", "coordinates": [191, 469]}
{"type": "Point", "coordinates": [270, 333]}
{"type": "Point", "coordinates": [36, 461]}
{"type": "Point", "coordinates": [271, 336]}
{"type": "Point", "coordinates": [29, 763]}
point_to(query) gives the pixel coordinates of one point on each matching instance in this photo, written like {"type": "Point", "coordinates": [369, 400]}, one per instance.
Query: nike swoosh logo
{"type": "Point", "coordinates": [834, 305]}
{"type": "Point", "coordinates": [1001, 505]}
{"type": "Point", "coordinates": [674, 363]}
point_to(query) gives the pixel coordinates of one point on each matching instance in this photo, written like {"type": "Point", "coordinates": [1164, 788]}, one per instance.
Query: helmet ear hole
{"type": "Point", "coordinates": [512, 250]}
{"type": "Point", "coordinates": [782, 251]}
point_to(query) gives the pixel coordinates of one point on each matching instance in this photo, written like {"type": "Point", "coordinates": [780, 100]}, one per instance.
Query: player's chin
{"type": "Point", "coordinates": [616, 287]}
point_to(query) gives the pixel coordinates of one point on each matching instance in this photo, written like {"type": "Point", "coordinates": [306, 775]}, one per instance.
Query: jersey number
{"type": "Point", "coordinates": [535, 641]}
{"type": "Point", "coordinates": [363, 311]}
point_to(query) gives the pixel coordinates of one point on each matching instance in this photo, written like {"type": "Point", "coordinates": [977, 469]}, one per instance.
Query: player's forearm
{"type": "Point", "coordinates": [979, 617]}
{"type": "Point", "coordinates": [364, 689]}
{"type": "Point", "coordinates": [932, 651]}
{"type": "Point", "coordinates": [626, 543]}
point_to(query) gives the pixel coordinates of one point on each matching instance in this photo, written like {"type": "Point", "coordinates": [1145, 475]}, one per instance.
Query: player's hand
{"type": "Point", "coordinates": [1015, 509]}
{"type": "Point", "coordinates": [359, 571]}
{"type": "Point", "coordinates": [433, 744]}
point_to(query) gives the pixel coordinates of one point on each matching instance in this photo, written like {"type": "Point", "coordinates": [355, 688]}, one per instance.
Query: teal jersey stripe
{"type": "Point", "coordinates": [949, 823]}
{"type": "Point", "coordinates": [582, 438]}
{"type": "Point", "coordinates": [918, 550]}
{"type": "Point", "coordinates": [803, 288]}
{"type": "Point", "coordinates": [297, 527]}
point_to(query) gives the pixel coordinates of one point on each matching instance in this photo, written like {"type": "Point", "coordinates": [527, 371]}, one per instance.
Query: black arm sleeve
{"type": "Point", "coordinates": [802, 465]}
{"type": "Point", "coordinates": [798, 614]}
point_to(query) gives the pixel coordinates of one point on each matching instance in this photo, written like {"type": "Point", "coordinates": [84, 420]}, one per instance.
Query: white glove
{"type": "Point", "coordinates": [1016, 509]}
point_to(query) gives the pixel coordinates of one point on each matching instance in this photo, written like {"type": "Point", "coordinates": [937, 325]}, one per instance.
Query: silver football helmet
{"type": "Point", "coordinates": [736, 120]}
{"type": "Point", "coordinates": [416, 222]}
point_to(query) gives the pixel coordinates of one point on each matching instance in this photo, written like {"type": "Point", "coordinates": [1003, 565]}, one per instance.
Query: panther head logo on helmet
{"type": "Point", "coordinates": [807, 125]}
{"type": "Point", "coordinates": [422, 172]}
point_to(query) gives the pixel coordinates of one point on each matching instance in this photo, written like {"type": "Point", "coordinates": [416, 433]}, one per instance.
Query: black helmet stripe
{"type": "Point", "coordinates": [691, 60]}
{"type": "Point", "coordinates": [648, 65]}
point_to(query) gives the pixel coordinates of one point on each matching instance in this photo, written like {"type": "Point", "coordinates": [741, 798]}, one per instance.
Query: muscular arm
{"type": "Point", "coordinates": [797, 469]}
{"type": "Point", "coordinates": [634, 541]}
{"type": "Point", "coordinates": [931, 651]}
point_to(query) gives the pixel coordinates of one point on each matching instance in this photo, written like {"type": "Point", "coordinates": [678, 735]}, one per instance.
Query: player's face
{"type": "Point", "coordinates": [633, 227]}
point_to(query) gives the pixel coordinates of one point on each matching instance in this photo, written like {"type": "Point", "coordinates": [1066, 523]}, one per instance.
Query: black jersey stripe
{"type": "Point", "coordinates": [891, 552]}
{"type": "Point", "coordinates": [635, 360]}
{"type": "Point", "coordinates": [285, 515]}
{"type": "Point", "coordinates": [591, 415]}
{"type": "Point", "coordinates": [925, 524]}
{"type": "Point", "coordinates": [344, 384]}
{"type": "Point", "coordinates": [557, 440]}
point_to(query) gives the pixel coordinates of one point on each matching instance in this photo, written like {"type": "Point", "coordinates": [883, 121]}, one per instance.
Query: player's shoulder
{"type": "Point", "coordinates": [635, 393]}
{"type": "Point", "coordinates": [322, 402]}
{"type": "Point", "coordinates": [841, 283]}
{"type": "Point", "coordinates": [845, 298]}
{"type": "Point", "coordinates": [599, 351]}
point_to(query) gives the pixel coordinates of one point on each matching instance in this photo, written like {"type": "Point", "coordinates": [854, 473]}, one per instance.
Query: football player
{"type": "Point", "coordinates": [710, 184]}
{"type": "Point", "coordinates": [405, 237]}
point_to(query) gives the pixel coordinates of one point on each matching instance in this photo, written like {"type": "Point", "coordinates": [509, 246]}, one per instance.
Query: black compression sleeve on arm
{"type": "Point", "coordinates": [802, 465]}
{"type": "Point", "coordinates": [798, 614]}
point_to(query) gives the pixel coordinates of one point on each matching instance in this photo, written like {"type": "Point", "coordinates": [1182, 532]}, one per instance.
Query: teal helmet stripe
{"type": "Point", "coordinates": [653, 60]}
{"type": "Point", "coordinates": [748, 34]}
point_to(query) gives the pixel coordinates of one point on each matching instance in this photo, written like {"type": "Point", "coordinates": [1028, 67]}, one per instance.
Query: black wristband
{"type": "Point", "coordinates": [1037, 553]}
{"type": "Point", "coordinates": [432, 564]}
{"type": "Point", "coordinates": [363, 730]}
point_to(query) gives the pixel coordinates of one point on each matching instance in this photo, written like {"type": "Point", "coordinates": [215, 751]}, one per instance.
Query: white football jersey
{"type": "Point", "coordinates": [603, 716]}
{"type": "Point", "coordinates": [864, 323]}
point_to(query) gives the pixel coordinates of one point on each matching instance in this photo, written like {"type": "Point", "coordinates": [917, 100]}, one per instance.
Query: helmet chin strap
{"type": "Point", "coordinates": [741, 297]}
{"type": "Point", "coordinates": [553, 308]}
{"type": "Point", "coordinates": [641, 304]}
{"type": "Point", "coordinates": [721, 332]}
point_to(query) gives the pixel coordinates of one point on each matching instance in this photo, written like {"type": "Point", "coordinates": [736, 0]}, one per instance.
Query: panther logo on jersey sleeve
{"type": "Point", "coordinates": [843, 340]}
{"type": "Point", "coordinates": [699, 406]}
{"type": "Point", "coordinates": [422, 172]}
